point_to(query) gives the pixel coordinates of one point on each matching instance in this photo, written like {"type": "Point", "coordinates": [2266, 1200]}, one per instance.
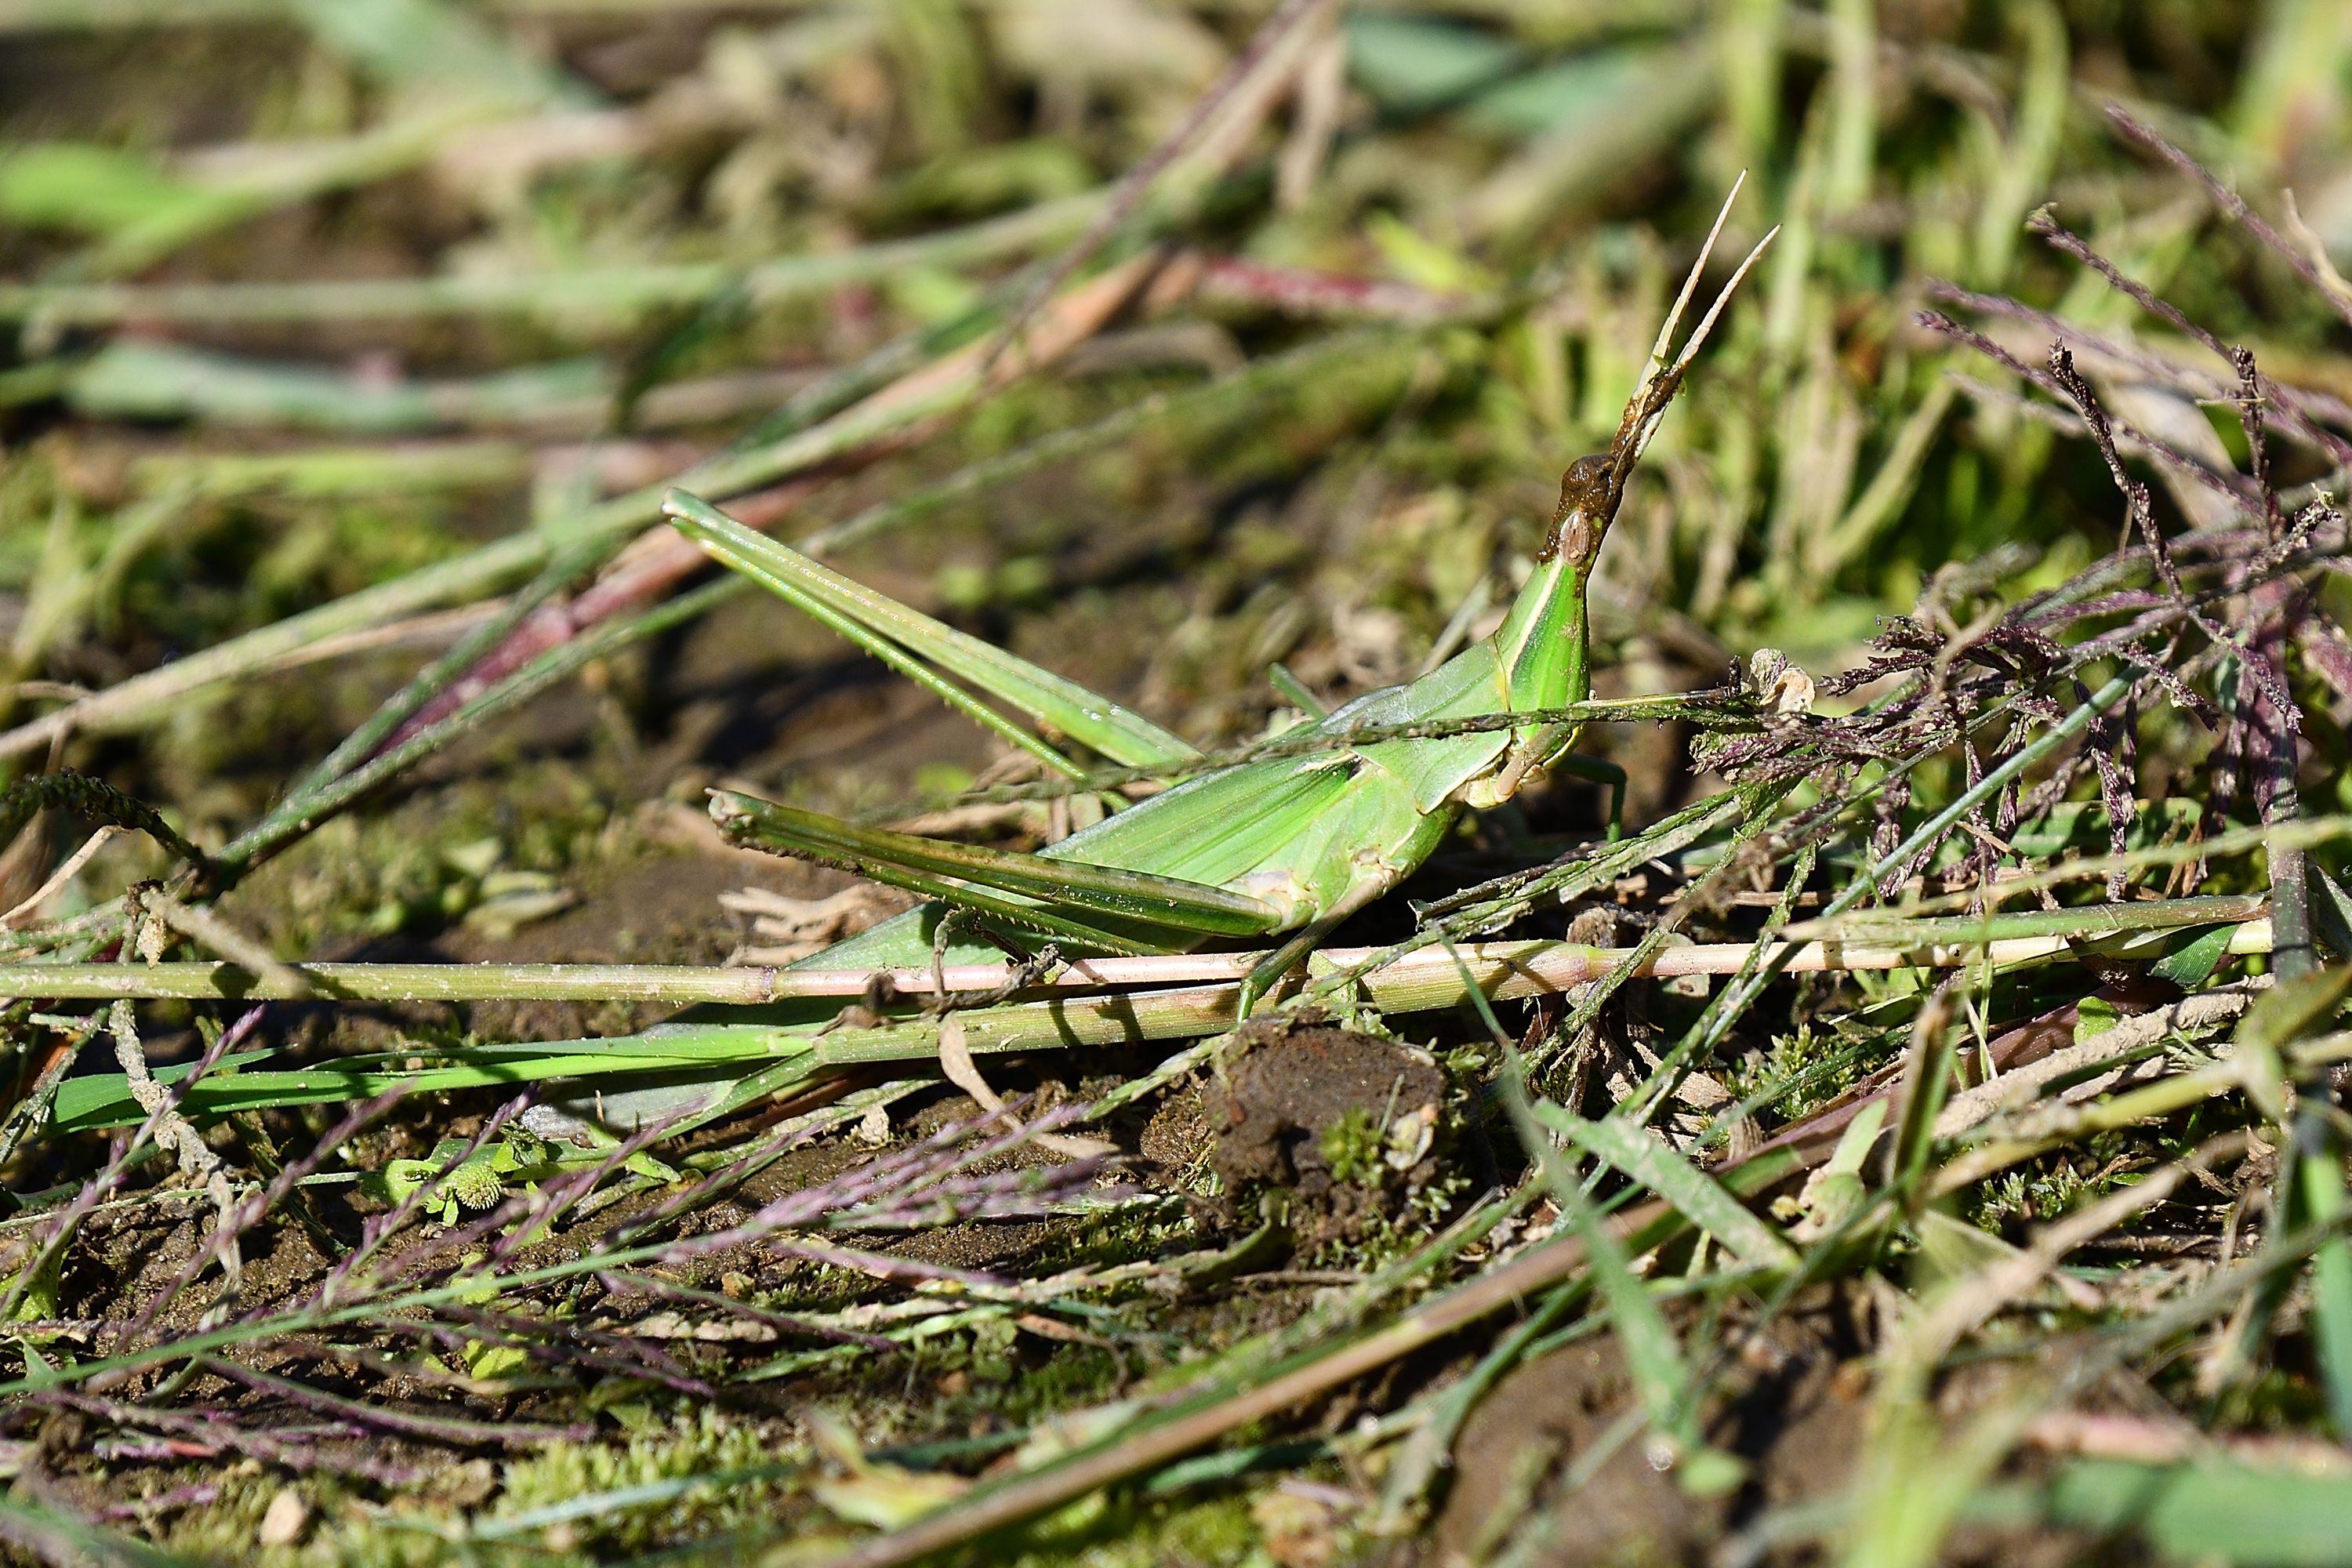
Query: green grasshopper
{"type": "Point", "coordinates": [1291, 844]}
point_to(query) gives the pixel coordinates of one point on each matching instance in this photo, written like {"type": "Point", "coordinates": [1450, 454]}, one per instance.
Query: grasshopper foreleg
{"type": "Point", "coordinates": [1525, 758]}
{"type": "Point", "coordinates": [1542, 752]}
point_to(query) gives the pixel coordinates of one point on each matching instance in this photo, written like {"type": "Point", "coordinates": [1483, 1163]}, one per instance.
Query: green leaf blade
{"type": "Point", "coordinates": [1695, 1194]}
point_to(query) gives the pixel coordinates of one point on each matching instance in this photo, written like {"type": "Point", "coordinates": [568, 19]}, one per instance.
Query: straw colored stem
{"type": "Point", "coordinates": [1431, 978]}
{"type": "Point", "coordinates": [2149, 1102]}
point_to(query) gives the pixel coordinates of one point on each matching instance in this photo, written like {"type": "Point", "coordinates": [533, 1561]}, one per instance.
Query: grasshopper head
{"type": "Point", "coordinates": [1588, 501]}
{"type": "Point", "coordinates": [1593, 485]}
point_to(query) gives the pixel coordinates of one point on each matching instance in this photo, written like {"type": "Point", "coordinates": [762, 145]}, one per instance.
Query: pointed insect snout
{"type": "Point", "coordinates": [1587, 498]}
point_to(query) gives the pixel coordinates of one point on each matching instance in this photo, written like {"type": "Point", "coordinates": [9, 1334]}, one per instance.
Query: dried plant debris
{"type": "Point", "coordinates": [1884, 1106]}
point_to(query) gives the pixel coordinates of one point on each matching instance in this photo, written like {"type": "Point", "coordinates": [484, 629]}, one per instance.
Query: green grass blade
{"type": "Point", "coordinates": [442, 47]}
{"type": "Point", "coordinates": [1697, 1195]}
{"type": "Point", "coordinates": [2216, 1512]}
{"type": "Point", "coordinates": [891, 632]}
{"type": "Point", "coordinates": [49, 1532]}
{"type": "Point", "coordinates": [1652, 1355]}
{"type": "Point", "coordinates": [2298, 1007]}
{"type": "Point", "coordinates": [1927, 1083]}
{"type": "Point", "coordinates": [2331, 1284]}
{"type": "Point", "coordinates": [90, 1104]}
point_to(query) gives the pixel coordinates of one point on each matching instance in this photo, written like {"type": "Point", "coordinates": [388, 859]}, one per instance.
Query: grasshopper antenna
{"type": "Point", "coordinates": [1661, 379]}
{"type": "Point", "coordinates": [1657, 362]}
{"type": "Point", "coordinates": [1592, 487]}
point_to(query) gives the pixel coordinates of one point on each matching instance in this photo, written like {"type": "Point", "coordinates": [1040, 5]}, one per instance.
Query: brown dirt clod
{"type": "Point", "coordinates": [1291, 1089]}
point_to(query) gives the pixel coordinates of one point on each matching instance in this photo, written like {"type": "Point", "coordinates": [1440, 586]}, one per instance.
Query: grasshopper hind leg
{"type": "Point", "coordinates": [1270, 971]}
{"type": "Point", "coordinates": [1097, 908]}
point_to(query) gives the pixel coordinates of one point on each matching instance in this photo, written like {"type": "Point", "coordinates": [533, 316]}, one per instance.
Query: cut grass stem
{"type": "Point", "coordinates": [1503, 970]}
